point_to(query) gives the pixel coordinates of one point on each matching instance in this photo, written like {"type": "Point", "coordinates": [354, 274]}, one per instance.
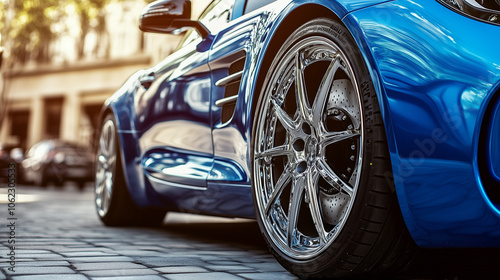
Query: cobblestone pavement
{"type": "Point", "coordinates": [58, 236]}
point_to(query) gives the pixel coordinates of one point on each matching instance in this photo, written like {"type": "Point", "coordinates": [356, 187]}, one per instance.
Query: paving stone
{"type": "Point", "coordinates": [107, 266]}
{"type": "Point", "coordinates": [88, 248]}
{"type": "Point", "coordinates": [258, 260]}
{"type": "Point", "coordinates": [51, 277]}
{"type": "Point", "coordinates": [170, 261]}
{"type": "Point", "coordinates": [38, 256]}
{"type": "Point", "coordinates": [19, 260]}
{"type": "Point", "coordinates": [100, 259]}
{"type": "Point", "coordinates": [140, 253]}
{"type": "Point", "coordinates": [120, 272]}
{"type": "Point", "coordinates": [268, 275]}
{"type": "Point", "coordinates": [267, 267]}
{"type": "Point", "coordinates": [198, 276]}
{"type": "Point", "coordinates": [223, 262]}
{"type": "Point", "coordinates": [33, 251]}
{"type": "Point", "coordinates": [144, 277]}
{"type": "Point", "coordinates": [230, 268]}
{"type": "Point", "coordinates": [42, 263]}
{"type": "Point", "coordinates": [88, 254]}
{"type": "Point", "coordinates": [181, 269]}
{"type": "Point", "coordinates": [40, 270]}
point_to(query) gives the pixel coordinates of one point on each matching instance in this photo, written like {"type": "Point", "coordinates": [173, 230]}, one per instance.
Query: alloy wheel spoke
{"type": "Point", "coordinates": [334, 137]}
{"type": "Point", "coordinates": [294, 208]}
{"type": "Point", "coordinates": [98, 194]}
{"type": "Point", "coordinates": [102, 182]}
{"type": "Point", "coordinates": [111, 141]}
{"type": "Point", "coordinates": [314, 206]}
{"type": "Point", "coordinates": [332, 178]}
{"type": "Point", "coordinates": [278, 188]}
{"type": "Point", "coordinates": [102, 194]}
{"type": "Point", "coordinates": [283, 150]}
{"type": "Point", "coordinates": [283, 117]}
{"type": "Point", "coordinates": [324, 89]}
{"type": "Point", "coordinates": [100, 175]}
{"type": "Point", "coordinates": [300, 89]}
{"type": "Point", "coordinates": [104, 200]}
{"type": "Point", "coordinates": [107, 191]}
{"type": "Point", "coordinates": [102, 144]}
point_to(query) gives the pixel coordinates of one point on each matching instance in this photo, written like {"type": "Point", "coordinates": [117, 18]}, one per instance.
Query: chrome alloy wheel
{"type": "Point", "coordinates": [308, 147]}
{"type": "Point", "coordinates": [105, 167]}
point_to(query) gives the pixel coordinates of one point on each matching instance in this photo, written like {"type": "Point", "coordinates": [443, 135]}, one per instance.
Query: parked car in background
{"type": "Point", "coordinates": [353, 131]}
{"type": "Point", "coordinates": [10, 154]}
{"type": "Point", "coordinates": [57, 161]}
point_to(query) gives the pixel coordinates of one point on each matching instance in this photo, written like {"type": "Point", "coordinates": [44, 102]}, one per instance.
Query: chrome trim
{"type": "Point", "coordinates": [156, 181]}
{"type": "Point", "coordinates": [229, 79]}
{"type": "Point", "coordinates": [226, 100]}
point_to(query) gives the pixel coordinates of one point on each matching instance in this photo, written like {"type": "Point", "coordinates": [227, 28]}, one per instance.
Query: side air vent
{"type": "Point", "coordinates": [232, 86]}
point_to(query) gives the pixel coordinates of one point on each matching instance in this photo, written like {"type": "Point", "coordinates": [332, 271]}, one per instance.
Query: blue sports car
{"type": "Point", "coordinates": [354, 131]}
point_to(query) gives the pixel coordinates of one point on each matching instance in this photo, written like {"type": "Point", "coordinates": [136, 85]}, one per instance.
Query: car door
{"type": "Point", "coordinates": [173, 112]}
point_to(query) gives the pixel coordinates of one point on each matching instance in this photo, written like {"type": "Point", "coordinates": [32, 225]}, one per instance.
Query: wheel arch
{"type": "Point", "coordinates": [294, 16]}
{"type": "Point", "coordinates": [134, 179]}
{"type": "Point", "coordinates": [283, 27]}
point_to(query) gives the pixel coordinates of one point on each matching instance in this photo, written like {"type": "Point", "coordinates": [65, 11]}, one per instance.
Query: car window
{"type": "Point", "coordinates": [253, 5]}
{"type": "Point", "coordinates": [217, 14]}
{"type": "Point", "coordinates": [215, 17]}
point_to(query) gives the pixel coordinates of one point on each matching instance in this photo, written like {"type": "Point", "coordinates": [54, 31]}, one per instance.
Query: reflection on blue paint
{"type": "Point", "coordinates": [178, 167]}
{"type": "Point", "coordinates": [226, 171]}
{"type": "Point", "coordinates": [438, 68]}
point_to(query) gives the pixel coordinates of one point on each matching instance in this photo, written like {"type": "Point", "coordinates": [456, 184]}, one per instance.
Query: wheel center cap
{"type": "Point", "coordinates": [311, 150]}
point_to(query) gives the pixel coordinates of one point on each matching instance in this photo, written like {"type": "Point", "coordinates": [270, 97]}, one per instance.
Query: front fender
{"type": "Point", "coordinates": [434, 74]}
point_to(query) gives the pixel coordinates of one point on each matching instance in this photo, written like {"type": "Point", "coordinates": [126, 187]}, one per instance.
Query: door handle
{"type": "Point", "coordinates": [146, 81]}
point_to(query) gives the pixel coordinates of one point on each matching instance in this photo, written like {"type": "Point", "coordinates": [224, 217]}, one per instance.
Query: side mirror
{"type": "Point", "coordinates": [167, 16]}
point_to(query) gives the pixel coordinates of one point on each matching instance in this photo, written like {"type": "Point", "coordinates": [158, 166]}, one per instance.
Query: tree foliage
{"type": "Point", "coordinates": [91, 11]}
{"type": "Point", "coordinates": [29, 27]}
{"type": "Point", "coordinates": [29, 32]}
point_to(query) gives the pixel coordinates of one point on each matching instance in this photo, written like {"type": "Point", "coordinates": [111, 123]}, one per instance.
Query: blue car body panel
{"type": "Point", "coordinates": [436, 74]}
{"type": "Point", "coordinates": [436, 81]}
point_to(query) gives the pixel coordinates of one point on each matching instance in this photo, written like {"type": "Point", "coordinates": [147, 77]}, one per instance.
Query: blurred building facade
{"type": "Point", "coordinates": [62, 100]}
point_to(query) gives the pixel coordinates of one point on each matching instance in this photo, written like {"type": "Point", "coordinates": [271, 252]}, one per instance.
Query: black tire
{"type": "Point", "coordinates": [314, 152]}
{"type": "Point", "coordinates": [116, 207]}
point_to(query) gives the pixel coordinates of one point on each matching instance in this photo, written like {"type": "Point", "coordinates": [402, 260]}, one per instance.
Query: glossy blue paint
{"type": "Point", "coordinates": [239, 7]}
{"type": "Point", "coordinates": [351, 6]}
{"type": "Point", "coordinates": [173, 117]}
{"type": "Point", "coordinates": [177, 167]}
{"type": "Point", "coordinates": [435, 73]}
{"type": "Point", "coordinates": [437, 70]}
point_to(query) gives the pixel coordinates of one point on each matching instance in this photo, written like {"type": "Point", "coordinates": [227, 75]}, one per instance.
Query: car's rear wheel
{"type": "Point", "coordinates": [319, 160]}
{"type": "Point", "coordinates": [113, 202]}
